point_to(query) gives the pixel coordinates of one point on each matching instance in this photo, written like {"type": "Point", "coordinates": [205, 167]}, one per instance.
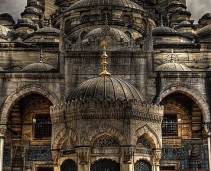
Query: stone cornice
{"type": "Point", "coordinates": [109, 110]}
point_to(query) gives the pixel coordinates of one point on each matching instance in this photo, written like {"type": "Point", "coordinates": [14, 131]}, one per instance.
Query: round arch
{"type": "Point", "coordinates": [22, 92]}
{"type": "Point", "coordinates": [154, 140]}
{"type": "Point", "coordinates": [189, 91]}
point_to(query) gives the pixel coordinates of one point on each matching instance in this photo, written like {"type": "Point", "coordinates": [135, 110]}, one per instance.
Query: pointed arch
{"type": "Point", "coordinates": [146, 130]}
{"type": "Point", "coordinates": [104, 129]}
{"type": "Point", "coordinates": [62, 135]}
{"type": "Point", "coordinates": [22, 92]}
{"type": "Point", "coordinates": [189, 91]}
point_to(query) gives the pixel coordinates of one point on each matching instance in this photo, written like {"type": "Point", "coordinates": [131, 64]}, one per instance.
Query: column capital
{"type": "Point", "coordinates": [157, 156]}
{"type": "Point", "coordinates": [3, 129]}
{"type": "Point", "coordinates": [207, 127]}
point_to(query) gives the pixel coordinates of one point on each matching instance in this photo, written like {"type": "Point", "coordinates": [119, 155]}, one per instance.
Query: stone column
{"type": "Point", "coordinates": [2, 132]}
{"type": "Point", "coordinates": [156, 160]}
{"type": "Point", "coordinates": [127, 159]}
{"type": "Point", "coordinates": [208, 130]}
{"type": "Point", "coordinates": [55, 157]}
{"type": "Point", "coordinates": [83, 158]}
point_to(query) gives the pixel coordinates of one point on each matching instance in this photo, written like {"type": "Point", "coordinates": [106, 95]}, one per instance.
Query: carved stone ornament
{"type": "Point", "coordinates": [127, 156]}
{"type": "Point", "coordinates": [55, 155]}
{"type": "Point", "coordinates": [83, 156]}
{"type": "Point", "coordinates": [2, 130]}
{"type": "Point", "coordinates": [207, 127]}
{"type": "Point", "coordinates": [157, 156]}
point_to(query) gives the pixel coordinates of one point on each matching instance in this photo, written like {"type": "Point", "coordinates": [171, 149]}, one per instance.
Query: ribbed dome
{"type": "Point", "coordinates": [115, 33]}
{"type": "Point", "coordinates": [4, 31]}
{"type": "Point", "coordinates": [38, 66]}
{"type": "Point", "coordinates": [204, 31]}
{"type": "Point", "coordinates": [48, 30]}
{"type": "Point", "coordinates": [163, 30]}
{"type": "Point", "coordinates": [172, 67]}
{"type": "Point", "coordinates": [115, 3]}
{"type": "Point", "coordinates": [105, 88]}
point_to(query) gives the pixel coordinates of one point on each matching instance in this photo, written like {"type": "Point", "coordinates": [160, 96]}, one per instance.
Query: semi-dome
{"type": "Point", "coordinates": [172, 67]}
{"type": "Point", "coordinates": [4, 31]}
{"type": "Point", "coordinates": [204, 31]}
{"type": "Point", "coordinates": [162, 30]}
{"type": "Point", "coordinates": [93, 3]}
{"type": "Point", "coordinates": [118, 35]}
{"type": "Point", "coordinates": [105, 88]}
{"type": "Point", "coordinates": [205, 16]}
{"type": "Point", "coordinates": [38, 66]}
{"type": "Point", "coordinates": [6, 16]}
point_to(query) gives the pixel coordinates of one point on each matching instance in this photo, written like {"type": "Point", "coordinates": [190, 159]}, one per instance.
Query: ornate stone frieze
{"type": "Point", "coordinates": [109, 109]}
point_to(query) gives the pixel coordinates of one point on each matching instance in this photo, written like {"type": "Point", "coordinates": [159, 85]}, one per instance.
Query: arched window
{"type": "Point", "coordinates": [128, 34]}
{"type": "Point", "coordinates": [85, 19]}
{"type": "Point", "coordinates": [142, 165]}
{"type": "Point", "coordinates": [68, 165]}
{"type": "Point", "coordinates": [143, 142]}
{"type": "Point", "coordinates": [83, 34]}
{"type": "Point", "coordinates": [105, 141]}
{"type": "Point", "coordinates": [106, 16]}
{"type": "Point", "coordinates": [126, 18]}
{"type": "Point", "coordinates": [105, 165]}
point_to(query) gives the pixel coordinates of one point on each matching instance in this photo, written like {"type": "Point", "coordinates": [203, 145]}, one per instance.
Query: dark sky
{"type": "Point", "coordinates": [196, 7]}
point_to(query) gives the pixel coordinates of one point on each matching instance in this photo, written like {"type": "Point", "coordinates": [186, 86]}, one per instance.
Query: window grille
{"type": "Point", "coordinates": [169, 125]}
{"type": "Point", "coordinates": [42, 126]}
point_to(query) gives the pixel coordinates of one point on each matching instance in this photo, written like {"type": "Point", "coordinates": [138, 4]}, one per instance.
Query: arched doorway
{"type": "Point", "coordinates": [28, 128]}
{"type": "Point", "coordinates": [105, 165]}
{"type": "Point", "coordinates": [142, 165]}
{"type": "Point", "coordinates": [68, 165]}
{"type": "Point", "coordinates": [183, 129]}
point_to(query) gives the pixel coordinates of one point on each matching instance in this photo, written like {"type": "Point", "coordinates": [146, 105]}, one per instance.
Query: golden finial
{"type": "Point", "coordinates": [104, 57]}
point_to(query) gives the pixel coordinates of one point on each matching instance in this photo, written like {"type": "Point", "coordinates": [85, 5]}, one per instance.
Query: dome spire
{"type": "Point", "coordinates": [104, 63]}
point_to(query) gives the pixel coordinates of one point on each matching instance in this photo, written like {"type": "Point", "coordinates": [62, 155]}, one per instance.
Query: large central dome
{"type": "Point", "coordinates": [115, 3]}
{"type": "Point", "coordinates": [105, 88]}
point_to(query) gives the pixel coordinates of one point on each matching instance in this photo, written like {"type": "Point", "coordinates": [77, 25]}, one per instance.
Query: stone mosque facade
{"type": "Point", "coordinates": [105, 85]}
